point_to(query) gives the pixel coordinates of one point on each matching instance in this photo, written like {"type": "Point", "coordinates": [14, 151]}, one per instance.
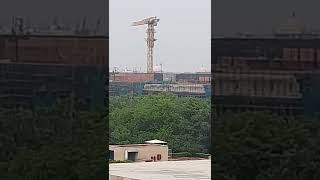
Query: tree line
{"type": "Point", "coordinates": [183, 122]}
{"type": "Point", "coordinates": [49, 144]}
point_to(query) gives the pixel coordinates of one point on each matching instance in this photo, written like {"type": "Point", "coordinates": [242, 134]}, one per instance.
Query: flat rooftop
{"type": "Point", "coordinates": [134, 145]}
{"type": "Point", "coordinates": [168, 170]}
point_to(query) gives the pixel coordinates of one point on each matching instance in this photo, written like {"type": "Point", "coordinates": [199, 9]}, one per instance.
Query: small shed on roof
{"type": "Point", "coordinates": [156, 141]}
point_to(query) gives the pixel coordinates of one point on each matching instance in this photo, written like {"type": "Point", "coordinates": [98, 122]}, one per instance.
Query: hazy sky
{"type": "Point", "coordinates": [260, 16]}
{"type": "Point", "coordinates": [183, 34]}
{"type": "Point", "coordinates": [69, 12]}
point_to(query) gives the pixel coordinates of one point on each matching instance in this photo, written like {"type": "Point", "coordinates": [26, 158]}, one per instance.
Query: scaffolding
{"type": "Point", "coordinates": [31, 85]}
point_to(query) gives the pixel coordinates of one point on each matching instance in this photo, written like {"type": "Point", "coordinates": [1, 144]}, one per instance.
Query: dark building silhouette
{"type": "Point", "coordinates": [277, 72]}
{"type": "Point", "coordinates": [37, 71]}
{"type": "Point", "coordinates": [264, 73]}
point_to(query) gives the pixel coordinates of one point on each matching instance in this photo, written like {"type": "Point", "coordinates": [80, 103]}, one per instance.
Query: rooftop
{"type": "Point", "coordinates": [132, 145]}
{"type": "Point", "coordinates": [9, 61]}
{"type": "Point", "coordinates": [168, 170]}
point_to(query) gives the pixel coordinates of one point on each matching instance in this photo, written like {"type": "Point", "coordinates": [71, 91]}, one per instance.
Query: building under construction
{"type": "Point", "coordinates": [194, 78]}
{"type": "Point", "coordinates": [183, 90]}
{"type": "Point", "coordinates": [277, 72]}
{"type": "Point", "coordinates": [31, 85]}
{"type": "Point", "coordinates": [78, 50]}
{"type": "Point", "coordinates": [182, 84]}
{"type": "Point", "coordinates": [125, 88]}
{"type": "Point", "coordinates": [37, 70]}
{"type": "Point", "coordinates": [272, 73]}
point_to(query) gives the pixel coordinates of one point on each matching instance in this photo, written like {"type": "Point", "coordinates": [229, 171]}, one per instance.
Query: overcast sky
{"type": "Point", "coordinates": [184, 29]}
{"type": "Point", "coordinates": [69, 12]}
{"type": "Point", "coordinates": [183, 34]}
{"type": "Point", "coordinates": [260, 16]}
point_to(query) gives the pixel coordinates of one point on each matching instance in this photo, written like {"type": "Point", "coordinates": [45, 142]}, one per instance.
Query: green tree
{"type": "Point", "coordinates": [265, 147]}
{"type": "Point", "coordinates": [48, 144]}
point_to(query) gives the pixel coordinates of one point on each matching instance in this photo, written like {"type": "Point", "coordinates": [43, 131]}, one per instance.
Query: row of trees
{"type": "Point", "coordinates": [49, 144]}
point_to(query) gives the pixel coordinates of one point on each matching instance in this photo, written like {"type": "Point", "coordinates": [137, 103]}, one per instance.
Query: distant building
{"type": "Point", "coordinates": [293, 28]}
{"type": "Point", "coordinates": [182, 84]}
{"type": "Point", "coordinates": [196, 78]}
{"type": "Point", "coordinates": [125, 88]}
{"type": "Point", "coordinates": [77, 50]}
{"type": "Point", "coordinates": [277, 72]}
{"type": "Point", "coordinates": [260, 74]}
{"type": "Point", "coordinates": [37, 71]}
{"type": "Point", "coordinates": [195, 90]}
{"type": "Point", "coordinates": [33, 85]}
{"type": "Point", "coordinates": [133, 77]}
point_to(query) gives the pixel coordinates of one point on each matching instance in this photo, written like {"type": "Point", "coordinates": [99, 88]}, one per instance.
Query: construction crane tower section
{"type": "Point", "coordinates": [151, 22]}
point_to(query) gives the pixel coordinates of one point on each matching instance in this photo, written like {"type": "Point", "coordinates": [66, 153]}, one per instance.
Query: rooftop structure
{"type": "Point", "coordinates": [139, 152]}
{"type": "Point", "coordinates": [156, 141]}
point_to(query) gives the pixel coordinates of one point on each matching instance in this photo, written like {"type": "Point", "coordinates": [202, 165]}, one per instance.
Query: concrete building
{"type": "Point", "coordinates": [194, 90]}
{"type": "Point", "coordinates": [139, 152]}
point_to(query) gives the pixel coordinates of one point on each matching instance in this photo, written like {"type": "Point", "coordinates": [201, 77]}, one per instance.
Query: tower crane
{"type": "Point", "coordinates": [151, 22]}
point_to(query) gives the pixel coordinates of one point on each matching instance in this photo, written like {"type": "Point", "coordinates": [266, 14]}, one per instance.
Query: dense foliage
{"type": "Point", "coordinates": [49, 144]}
{"type": "Point", "coordinates": [260, 146]}
{"type": "Point", "coordinates": [183, 122]}
{"type": "Point", "coordinates": [54, 144]}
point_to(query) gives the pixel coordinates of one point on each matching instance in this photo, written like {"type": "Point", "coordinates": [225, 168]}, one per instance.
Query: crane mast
{"type": "Point", "coordinates": [151, 22]}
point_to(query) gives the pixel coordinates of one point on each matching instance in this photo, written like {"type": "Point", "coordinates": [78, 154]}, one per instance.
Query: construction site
{"type": "Point", "coordinates": [182, 84]}
{"type": "Point", "coordinates": [36, 70]}
{"type": "Point", "coordinates": [277, 73]}
{"type": "Point", "coordinates": [151, 82]}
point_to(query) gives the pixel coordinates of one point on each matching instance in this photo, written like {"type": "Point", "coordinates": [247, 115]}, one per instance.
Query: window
{"type": "Point", "coordinates": [290, 53]}
{"type": "Point", "coordinates": [306, 54]}
{"type": "Point", "coordinates": [111, 155]}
